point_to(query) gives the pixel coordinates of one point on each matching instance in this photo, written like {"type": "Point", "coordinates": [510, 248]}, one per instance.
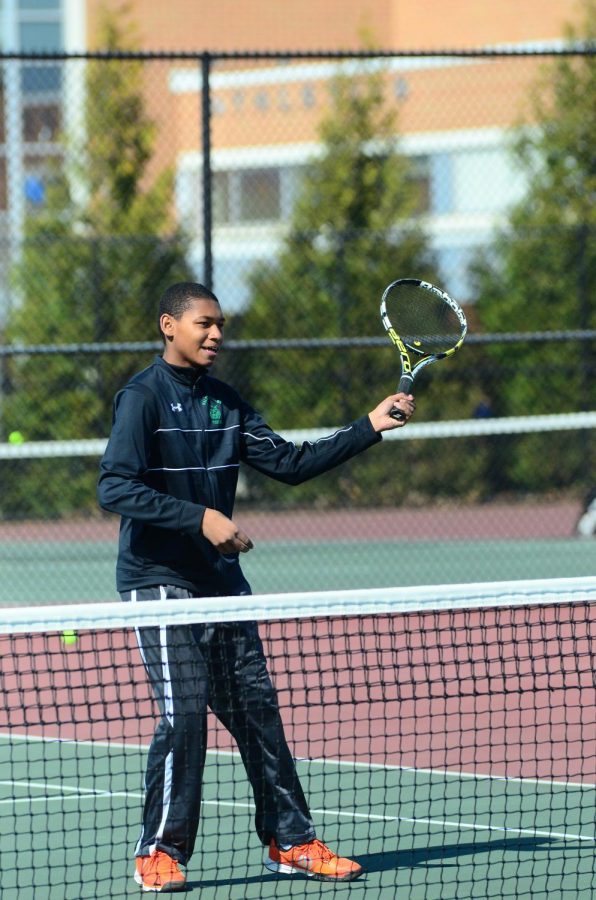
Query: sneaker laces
{"type": "Point", "coordinates": [160, 858]}
{"type": "Point", "coordinates": [322, 851]}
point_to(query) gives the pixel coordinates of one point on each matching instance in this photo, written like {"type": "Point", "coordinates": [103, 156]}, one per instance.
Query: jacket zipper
{"type": "Point", "coordinates": [202, 417]}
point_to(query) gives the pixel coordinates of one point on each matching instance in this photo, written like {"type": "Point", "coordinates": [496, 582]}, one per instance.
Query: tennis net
{"type": "Point", "coordinates": [445, 738]}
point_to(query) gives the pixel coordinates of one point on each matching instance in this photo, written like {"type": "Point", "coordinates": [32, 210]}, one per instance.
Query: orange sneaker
{"type": "Point", "coordinates": [159, 872]}
{"type": "Point", "coordinates": [313, 859]}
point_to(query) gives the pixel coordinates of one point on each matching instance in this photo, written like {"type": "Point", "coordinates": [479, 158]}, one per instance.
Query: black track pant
{"type": "Point", "coordinates": [192, 667]}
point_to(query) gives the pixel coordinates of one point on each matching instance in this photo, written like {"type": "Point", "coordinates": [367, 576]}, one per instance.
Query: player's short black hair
{"type": "Point", "coordinates": [177, 298]}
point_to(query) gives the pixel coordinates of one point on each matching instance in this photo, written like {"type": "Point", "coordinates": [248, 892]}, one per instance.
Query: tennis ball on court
{"type": "Point", "coordinates": [16, 437]}
{"type": "Point", "coordinates": [69, 637]}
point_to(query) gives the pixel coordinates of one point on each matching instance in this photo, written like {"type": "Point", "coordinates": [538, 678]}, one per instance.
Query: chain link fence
{"type": "Point", "coordinates": [297, 187]}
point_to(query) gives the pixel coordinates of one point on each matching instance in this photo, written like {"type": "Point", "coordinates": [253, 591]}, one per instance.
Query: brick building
{"type": "Point", "coordinates": [454, 114]}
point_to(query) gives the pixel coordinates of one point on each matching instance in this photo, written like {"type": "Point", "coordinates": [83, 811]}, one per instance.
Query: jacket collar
{"type": "Point", "coordinates": [187, 375]}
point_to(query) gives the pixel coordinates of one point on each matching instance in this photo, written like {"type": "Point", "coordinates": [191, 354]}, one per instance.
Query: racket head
{"type": "Point", "coordinates": [426, 321]}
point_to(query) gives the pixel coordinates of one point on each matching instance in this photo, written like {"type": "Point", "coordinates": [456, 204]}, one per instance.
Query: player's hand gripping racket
{"type": "Point", "coordinates": [424, 323]}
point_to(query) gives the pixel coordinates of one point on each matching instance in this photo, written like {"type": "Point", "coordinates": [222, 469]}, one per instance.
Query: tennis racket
{"type": "Point", "coordinates": [424, 323]}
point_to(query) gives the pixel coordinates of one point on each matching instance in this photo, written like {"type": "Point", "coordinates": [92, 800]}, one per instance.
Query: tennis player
{"type": "Point", "coordinates": [170, 471]}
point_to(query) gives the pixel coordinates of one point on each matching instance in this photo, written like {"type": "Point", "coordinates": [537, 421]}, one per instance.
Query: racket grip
{"type": "Point", "coordinates": [404, 387]}
{"type": "Point", "coordinates": [405, 384]}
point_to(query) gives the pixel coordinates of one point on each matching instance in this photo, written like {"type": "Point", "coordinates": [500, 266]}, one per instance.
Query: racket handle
{"type": "Point", "coordinates": [405, 384]}
{"type": "Point", "coordinates": [405, 387]}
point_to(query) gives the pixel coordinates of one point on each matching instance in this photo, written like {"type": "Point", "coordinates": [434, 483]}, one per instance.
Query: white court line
{"type": "Point", "coordinates": [444, 823]}
{"type": "Point", "coordinates": [355, 764]}
{"type": "Point", "coordinates": [75, 793]}
{"type": "Point", "coordinates": [451, 773]}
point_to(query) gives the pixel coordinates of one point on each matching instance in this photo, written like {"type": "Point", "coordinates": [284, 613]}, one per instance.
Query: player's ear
{"type": "Point", "coordinates": [167, 323]}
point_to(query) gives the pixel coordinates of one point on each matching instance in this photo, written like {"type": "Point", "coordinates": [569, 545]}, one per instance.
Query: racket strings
{"type": "Point", "coordinates": [424, 320]}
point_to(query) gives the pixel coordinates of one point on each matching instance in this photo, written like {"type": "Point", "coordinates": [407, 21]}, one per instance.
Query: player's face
{"type": "Point", "coordinates": [196, 337]}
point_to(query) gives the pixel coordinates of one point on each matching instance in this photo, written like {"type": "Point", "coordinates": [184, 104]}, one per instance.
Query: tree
{"type": "Point", "coordinates": [539, 273]}
{"type": "Point", "coordinates": [355, 227]}
{"type": "Point", "coordinates": [95, 258]}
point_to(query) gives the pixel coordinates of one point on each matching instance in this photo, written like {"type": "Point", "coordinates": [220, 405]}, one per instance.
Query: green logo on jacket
{"type": "Point", "coordinates": [214, 409]}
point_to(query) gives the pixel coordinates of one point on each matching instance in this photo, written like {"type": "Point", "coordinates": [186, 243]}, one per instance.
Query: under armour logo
{"type": "Point", "coordinates": [176, 407]}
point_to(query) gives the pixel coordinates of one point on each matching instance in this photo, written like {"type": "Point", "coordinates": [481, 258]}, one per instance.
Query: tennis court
{"type": "Point", "coordinates": [71, 562]}
{"type": "Point", "coordinates": [419, 833]}
{"type": "Point", "coordinates": [35, 573]}
{"type": "Point", "coordinates": [449, 750]}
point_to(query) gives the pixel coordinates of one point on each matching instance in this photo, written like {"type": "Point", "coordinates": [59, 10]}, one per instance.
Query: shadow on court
{"type": "Point", "coordinates": [426, 856]}
{"type": "Point", "coordinates": [406, 859]}
{"type": "Point", "coordinates": [266, 878]}
{"type": "Point", "coordinates": [271, 879]}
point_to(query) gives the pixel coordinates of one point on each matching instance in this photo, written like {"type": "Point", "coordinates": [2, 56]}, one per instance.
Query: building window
{"type": "Point", "coordinates": [3, 185]}
{"type": "Point", "coordinates": [420, 179]}
{"type": "Point", "coordinates": [35, 92]}
{"type": "Point", "coordinates": [309, 99]}
{"type": "Point", "coordinates": [40, 172]}
{"type": "Point", "coordinates": [240, 196]}
{"type": "Point", "coordinates": [37, 5]}
{"type": "Point", "coordinates": [36, 36]}
{"type": "Point", "coordinates": [220, 183]}
{"type": "Point", "coordinates": [247, 195]}
{"type": "Point", "coordinates": [441, 183]}
{"type": "Point", "coordinates": [41, 122]}
{"type": "Point", "coordinates": [259, 199]}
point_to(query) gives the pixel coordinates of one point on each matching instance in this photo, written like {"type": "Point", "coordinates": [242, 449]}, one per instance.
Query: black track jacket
{"type": "Point", "coordinates": [178, 438]}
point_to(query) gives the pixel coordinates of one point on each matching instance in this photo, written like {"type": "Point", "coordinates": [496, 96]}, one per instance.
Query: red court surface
{"type": "Point", "coordinates": [502, 692]}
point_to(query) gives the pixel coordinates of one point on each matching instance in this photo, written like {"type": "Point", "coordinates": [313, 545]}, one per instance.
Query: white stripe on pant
{"type": "Point", "coordinates": [221, 666]}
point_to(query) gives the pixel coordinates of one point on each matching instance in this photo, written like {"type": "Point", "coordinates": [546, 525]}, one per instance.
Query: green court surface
{"type": "Point", "coordinates": [69, 817]}
{"type": "Point", "coordinates": [35, 573]}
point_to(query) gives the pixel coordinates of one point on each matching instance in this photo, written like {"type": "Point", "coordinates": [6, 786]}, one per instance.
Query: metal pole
{"type": "Point", "coordinates": [585, 357]}
{"type": "Point", "coordinates": [15, 169]}
{"type": "Point", "coordinates": [207, 181]}
{"type": "Point", "coordinates": [584, 313]}
{"type": "Point", "coordinates": [343, 298]}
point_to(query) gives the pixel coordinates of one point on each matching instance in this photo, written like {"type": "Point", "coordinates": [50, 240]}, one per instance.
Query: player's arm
{"type": "Point", "coordinates": [271, 454]}
{"type": "Point", "coordinates": [122, 487]}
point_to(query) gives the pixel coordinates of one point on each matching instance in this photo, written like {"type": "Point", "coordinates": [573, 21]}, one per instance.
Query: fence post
{"type": "Point", "coordinates": [584, 311]}
{"type": "Point", "coordinates": [207, 181]}
{"type": "Point", "coordinates": [585, 357]}
{"type": "Point", "coordinates": [13, 140]}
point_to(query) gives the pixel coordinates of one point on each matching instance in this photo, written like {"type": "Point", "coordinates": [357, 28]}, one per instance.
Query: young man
{"type": "Point", "coordinates": [170, 471]}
